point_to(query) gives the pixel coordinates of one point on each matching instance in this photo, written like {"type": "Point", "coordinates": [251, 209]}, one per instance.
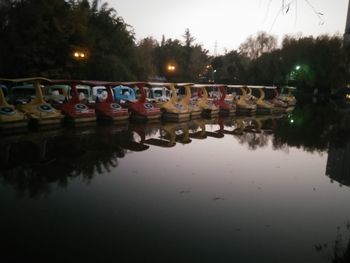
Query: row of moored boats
{"type": "Point", "coordinates": [43, 101]}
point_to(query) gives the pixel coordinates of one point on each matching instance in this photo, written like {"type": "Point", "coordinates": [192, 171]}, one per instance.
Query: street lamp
{"type": "Point", "coordinates": [79, 55]}
{"type": "Point", "coordinates": [171, 68]}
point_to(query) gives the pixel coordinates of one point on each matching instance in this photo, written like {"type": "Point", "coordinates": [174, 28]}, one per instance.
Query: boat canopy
{"type": "Point", "coordinates": [122, 92]}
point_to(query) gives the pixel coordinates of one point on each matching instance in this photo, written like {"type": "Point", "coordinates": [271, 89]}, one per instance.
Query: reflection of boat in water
{"type": "Point", "coordinates": [139, 134]}
{"type": "Point", "coordinates": [29, 147]}
{"type": "Point", "coordinates": [199, 130]}
{"type": "Point", "coordinates": [37, 110]}
{"type": "Point", "coordinates": [239, 125]}
{"type": "Point", "coordinates": [172, 110]}
{"type": "Point", "coordinates": [169, 134]}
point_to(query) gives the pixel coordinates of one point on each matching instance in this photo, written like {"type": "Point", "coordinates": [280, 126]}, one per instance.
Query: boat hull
{"type": "Point", "coordinates": [261, 110]}
{"type": "Point", "coordinates": [111, 112]}
{"type": "Point", "coordinates": [227, 112]}
{"type": "Point", "coordinates": [245, 111]}
{"type": "Point", "coordinates": [70, 119]}
{"type": "Point", "coordinates": [210, 113]}
{"type": "Point", "coordinates": [47, 121]}
{"type": "Point", "coordinates": [169, 116]}
{"type": "Point", "coordinates": [13, 124]}
{"type": "Point", "coordinates": [11, 118]}
{"type": "Point", "coordinates": [196, 114]}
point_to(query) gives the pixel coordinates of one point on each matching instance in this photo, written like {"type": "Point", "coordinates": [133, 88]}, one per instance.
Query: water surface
{"type": "Point", "coordinates": [239, 189]}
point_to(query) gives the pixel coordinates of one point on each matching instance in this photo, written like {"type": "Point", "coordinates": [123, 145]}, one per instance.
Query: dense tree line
{"type": "Point", "coordinates": [40, 37]}
{"type": "Point", "coordinates": [308, 62]}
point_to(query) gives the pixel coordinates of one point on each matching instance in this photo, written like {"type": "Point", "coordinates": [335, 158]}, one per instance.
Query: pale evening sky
{"type": "Point", "coordinates": [230, 22]}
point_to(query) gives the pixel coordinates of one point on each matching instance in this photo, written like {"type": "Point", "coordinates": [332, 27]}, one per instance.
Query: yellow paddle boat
{"type": "Point", "coordinates": [172, 110]}
{"type": "Point", "coordinates": [37, 110]}
{"type": "Point", "coordinates": [9, 116]}
{"type": "Point", "coordinates": [263, 106]}
{"type": "Point", "coordinates": [200, 95]}
{"type": "Point", "coordinates": [280, 106]}
{"type": "Point", "coordinates": [239, 95]}
{"type": "Point", "coordinates": [186, 101]}
{"type": "Point", "coordinates": [286, 95]}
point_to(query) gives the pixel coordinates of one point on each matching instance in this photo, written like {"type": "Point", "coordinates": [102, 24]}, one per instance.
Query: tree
{"type": "Point", "coordinates": [42, 35]}
{"type": "Point", "coordinates": [189, 59]}
{"type": "Point", "coordinates": [254, 47]}
{"type": "Point", "coordinates": [145, 58]}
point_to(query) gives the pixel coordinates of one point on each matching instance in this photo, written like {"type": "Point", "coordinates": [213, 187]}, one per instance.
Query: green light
{"type": "Point", "coordinates": [297, 67]}
{"type": "Point", "coordinates": [291, 121]}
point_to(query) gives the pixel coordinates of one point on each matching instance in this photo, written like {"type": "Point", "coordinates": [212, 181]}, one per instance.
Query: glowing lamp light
{"type": "Point", "coordinates": [79, 55]}
{"type": "Point", "coordinates": [297, 67]}
{"type": "Point", "coordinates": [171, 68]}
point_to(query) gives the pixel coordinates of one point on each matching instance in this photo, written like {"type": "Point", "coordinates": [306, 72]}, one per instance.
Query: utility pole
{"type": "Point", "coordinates": [346, 39]}
{"type": "Point", "coordinates": [216, 48]}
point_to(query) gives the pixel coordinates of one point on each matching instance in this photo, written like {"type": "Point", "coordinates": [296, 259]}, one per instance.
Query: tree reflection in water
{"type": "Point", "coordinates": [338, 250]}
{"type": "Point", "coordinates": [32, 162]}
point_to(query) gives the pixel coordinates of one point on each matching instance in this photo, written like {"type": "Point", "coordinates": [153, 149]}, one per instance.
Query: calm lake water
{"type": "Point", "coordinates": [239, 189]}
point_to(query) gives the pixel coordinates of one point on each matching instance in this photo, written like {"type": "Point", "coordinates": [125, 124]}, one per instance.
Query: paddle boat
{"type": "Point", "coordinates": [123, 94]}
{"type": "Point", "coordinates": [56, 94]}
{"type": "Point", "coordinates": [100, 93]}
{"type": "Point", "coordinates": [37, 110]}
{"type": "Point", "coordinates": [140, 108]}
{"type": "Point", "coordinates": [238, 94]}
{"type": "Point", "coordinates": [286, 95]}
{"type": "Point", "coordinates": [9, 116]}
{"type": "Point", "coordinates": [187, 101]}
{"type": "Point", "coordinates": [105, 106]}
{"type": "Point", "coordinates": [226, 107]}
{"type": "Point", "coordinates": [21, 93]}
{"type": "Point", "coordinates": [5, 92]}
{"type": "Point", "coordinates": [200, 96]}
{"type": "Point", "coordinates": [74, 108]}
{"type": "Point", "coordinates": [158, 95]}
{"type": "Point", "coordinates": [263, 106]}
{"type": "Point", "coordinates": [280, 106]}
{"type": "Point", "coordinates": [172, 110]}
